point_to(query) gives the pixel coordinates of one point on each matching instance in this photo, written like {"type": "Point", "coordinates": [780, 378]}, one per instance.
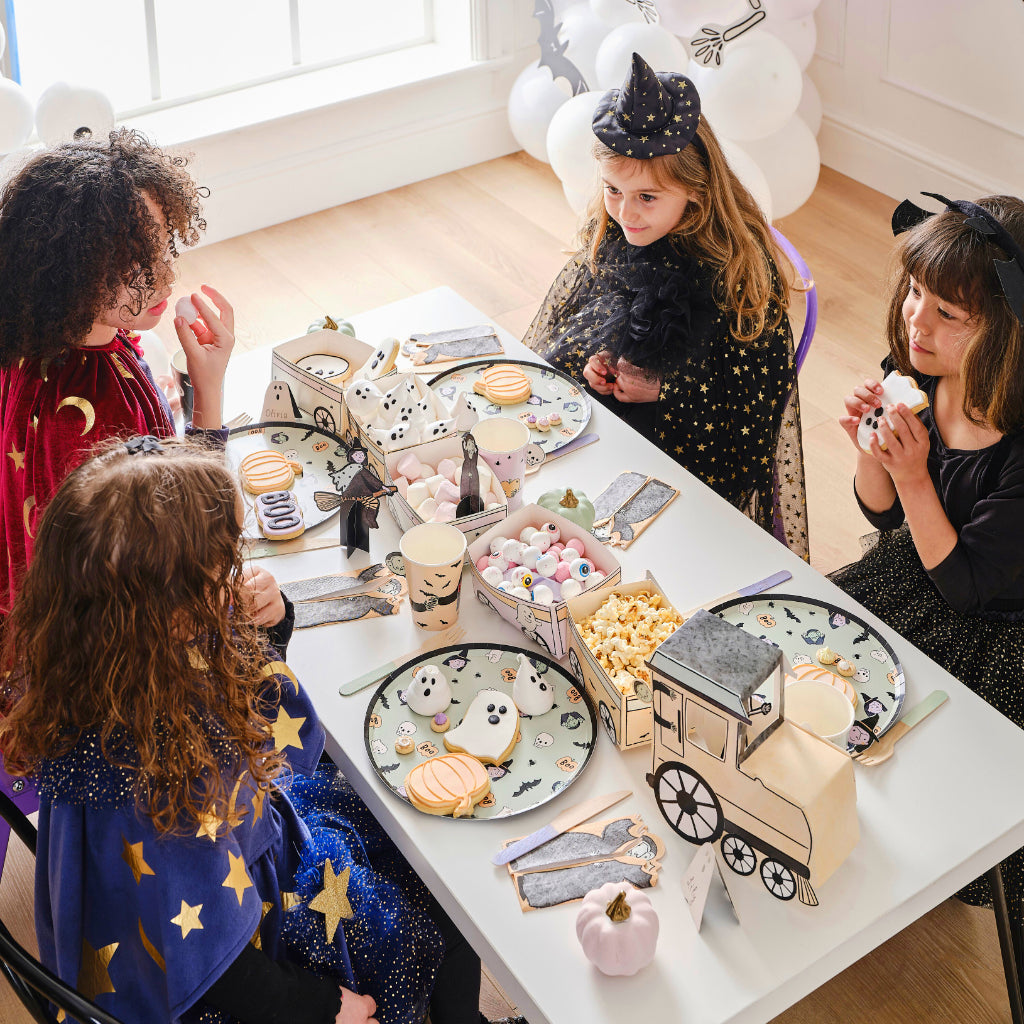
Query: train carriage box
{"type": "Point", "coordinates": [317, 367]}
{"type": "Point", "coordinates": [627, 717]}
{"type": "Point", "coordinates": [545, 624]}
{"type": "Point", "coordinates": [432, 452]}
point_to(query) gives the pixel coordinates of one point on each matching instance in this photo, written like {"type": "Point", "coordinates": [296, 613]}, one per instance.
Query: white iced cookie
{"type": "Point", "coordinates": [531, 692]}
{"type": "Point", "coordinates": [896, 388]}
{"type": "Point", "coordinates": [429, 692]}
{"type": "Point", "coordinates": [363, 398]}
{"type": "Point", "coordinates": [489, 730]}
{"type": "Point", "coordinates": [382, 361]}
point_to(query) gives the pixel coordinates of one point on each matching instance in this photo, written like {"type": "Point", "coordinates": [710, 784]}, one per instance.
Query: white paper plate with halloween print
{"type": "Point", "coordinates": [800, 626]}
{"type": "Point", "coordinates": [554, 748]}
{"type": "Point", "coordinates": [552, 391]}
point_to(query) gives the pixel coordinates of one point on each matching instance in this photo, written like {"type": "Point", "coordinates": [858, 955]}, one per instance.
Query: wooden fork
{"type": "Point", "coordinates": [882, 750]}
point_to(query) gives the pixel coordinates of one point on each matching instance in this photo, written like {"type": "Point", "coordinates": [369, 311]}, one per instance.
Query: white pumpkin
{"type": "Point", "coordinates": [618, 928]}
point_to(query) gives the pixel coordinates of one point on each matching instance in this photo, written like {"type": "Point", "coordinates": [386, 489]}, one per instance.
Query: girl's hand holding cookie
{"type": "Point", "coordinates": [207, 343]}
{"type": "Point", "coordinates": [600, 373]}
{"type": "Point", "coordinates": [863, 398]}
{"type": "Point", "coordinates": [355, 1009]}
{"type": "Point", "coordinates": [905, 457]}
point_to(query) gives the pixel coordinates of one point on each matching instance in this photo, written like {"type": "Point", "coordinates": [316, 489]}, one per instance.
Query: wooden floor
{"type": "Point", "coordinates": [497, 233]}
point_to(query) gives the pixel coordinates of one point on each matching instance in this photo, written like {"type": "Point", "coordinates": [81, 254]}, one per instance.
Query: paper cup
{"type": "Point", "coordinates": [433, 555]}
{"type": "Point", "coordinates": [503, 442]}
{"type": "Point", "coordinates": [819, 708]}
{"type": "Point", "coordinates": [182, 381]}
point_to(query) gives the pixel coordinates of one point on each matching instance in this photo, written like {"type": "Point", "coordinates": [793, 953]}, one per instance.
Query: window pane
{"type": "Point", "coordinates": [338, 29]}
{"type": "Point", "coordinates": [206, 46]}
{"type": "Point", "coordinates": [98, 43]}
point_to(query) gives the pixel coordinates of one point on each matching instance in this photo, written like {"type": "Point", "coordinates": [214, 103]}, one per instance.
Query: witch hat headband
{"type": "Point", "coordinates": [653, 114]}
{"type": "Point", "coordinates": [1010, 272]}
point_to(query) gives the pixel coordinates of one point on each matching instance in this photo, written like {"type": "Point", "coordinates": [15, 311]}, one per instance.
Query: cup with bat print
{"type": "Point", "coordinates": [505, 445]}
{"type": "Point", "coordinates": [431, 559]}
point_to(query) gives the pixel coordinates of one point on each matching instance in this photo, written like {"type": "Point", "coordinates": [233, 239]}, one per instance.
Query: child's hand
{"type": "Point", "coordinates": [207, 344]}
{"type": "Point", "coordinates": [355, 1009]}
{"type": "Point", "coordinates": [863, 398]}
{"type": "Point", "coordinates": [905, 457]}
{"type": "Point", "coordinates": [632, 384]}
{"type": "Point", "coordinates": [600, 373]}
{"type": "Point", "coordinates": [266, 605]}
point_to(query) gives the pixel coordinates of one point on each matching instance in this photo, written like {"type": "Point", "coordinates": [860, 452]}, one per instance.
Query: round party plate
{"type": "Point", "coordinates": [324, 460]}
{"type": "Point", "coordinates": [553, 751]}
{"type": "Point", "coordinates": [801, 625]}
{"type": "Point", "coordinates": [552, 391]}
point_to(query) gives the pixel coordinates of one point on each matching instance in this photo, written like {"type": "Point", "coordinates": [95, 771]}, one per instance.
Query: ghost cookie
{"type": "Point", "coordinates": [533, 695]}
{"type": "Point", "coordinates": [450, 784]}
{"type": "Point", "coordinates": [429, 692]}
{"type": "Point", "coordinates": [896, 388]}
{"type": "Point", "coordinates": [380, 363]}
{"type": "Point", "coordinates": [489, 730]}
{"type": "Point", "coordinates": [267, 471]}
{"type": "Point", "coordinates": [504, 384]}
{"type": "Point", "coordinates": [279, 515]}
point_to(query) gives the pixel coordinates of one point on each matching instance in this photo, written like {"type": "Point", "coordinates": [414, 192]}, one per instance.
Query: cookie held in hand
{"type": "Point", "coordinates": [896, 388]}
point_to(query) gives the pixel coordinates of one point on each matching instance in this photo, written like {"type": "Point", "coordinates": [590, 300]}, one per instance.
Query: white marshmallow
{"type": "Point", "coordinates": [496, 545]}
{"type": "Point", "coordinates": [571, 588]}
{"type": "Point", "coordinates": [184, 308]}
{"type": "Point", "coordinates": [539, 539]}
{"type": "Point", "coordinates": [530, 556]}
{"type": "Point", "coordinates": [543, 594]}
{"type": "Point", "coordinates": [418, 493]}
{"type": "Point", "coordinates": [547, 564]}
{"type": "Point", "coordinates": [492, 575]}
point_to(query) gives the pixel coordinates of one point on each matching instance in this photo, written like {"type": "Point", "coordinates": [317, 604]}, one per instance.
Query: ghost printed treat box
{"type": "Point", "coordinates": [545, 624]}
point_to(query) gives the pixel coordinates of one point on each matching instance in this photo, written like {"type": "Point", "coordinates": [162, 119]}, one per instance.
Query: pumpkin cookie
{"type": "Point", "coordinates": [267, 471]}
{"type": "Point", "coordinates": [504, 385]}
{"type": "Point", "coordinates": [449, 784]}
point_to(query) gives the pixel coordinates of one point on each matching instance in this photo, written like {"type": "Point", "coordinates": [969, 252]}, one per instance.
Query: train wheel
{"type": "Point", "coordinates": [323, 418]}
{"type": "Point", "coordinates": [688, 803]}
{"type": "Point", "coordinates": [778, 879]}
{"type": "Point", "coordinates": [738, 855]}
{"type": "Point", "coordinates": [575, 666]}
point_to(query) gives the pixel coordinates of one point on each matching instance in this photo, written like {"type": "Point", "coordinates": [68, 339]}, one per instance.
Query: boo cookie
{"type": "Point", "coordinates": [279, 515]}
{"type": "Point", "coordinates": [896, 388]}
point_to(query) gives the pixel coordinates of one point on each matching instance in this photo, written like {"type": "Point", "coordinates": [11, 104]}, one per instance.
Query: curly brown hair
{"type": "Point", "coordinates": [954, 262]}
{"type": "Point", "coordinates": [75, 229]}
{"type": "Point", "coordinates": [131, 625]}
{"type": "Point", "coordinates": [722, 224]}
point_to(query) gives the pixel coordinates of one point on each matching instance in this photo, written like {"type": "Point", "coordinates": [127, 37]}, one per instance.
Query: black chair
{"type": "Point", "coordinates": [33, 984]}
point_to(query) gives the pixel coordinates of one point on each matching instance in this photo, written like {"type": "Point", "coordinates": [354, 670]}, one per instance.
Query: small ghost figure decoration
{"type": "Point", "coordinates": [429, 692]}
{"type": "Point", "coordinates": [531, 693]}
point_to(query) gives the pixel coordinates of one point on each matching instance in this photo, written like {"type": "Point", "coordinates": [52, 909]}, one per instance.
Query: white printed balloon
{"type": "Point", "coordinates": [745, 167]}
{"type": "Point", "coordinates": [799, 34]}
{"type": "Point", "coordinates": [584, 32]}
{"type": "Point", "coordinates": [685, 17]}
{"type": "Point", "coordinates": [616, 12]}
{"type": "Point", "coordinates": [755, 91]}
{"type": "Point", "coordinates": [783, 10]}
{"type": "Point", "coordinates": [534, 98]}
{"type": "Point", "coordinates": [791, 163]}
{"type": "Point", "coordinates": [65, 110]}
{"type": "Point", "coordinates": [809, 110]}
{"type": "Point", "coordinates": [578, 201]}
{"type": "Point", "coordinates": [662, 50]}
{"type": "Point", "coordinates": [570, 142]}
{"type": "Point", "coordinates": [3, 40]}
{"type": "Point", "coordinates": [15, 116]}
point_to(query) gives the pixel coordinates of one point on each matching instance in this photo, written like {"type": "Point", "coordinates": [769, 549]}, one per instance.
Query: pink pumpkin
{"type": "Point", "coordinates": [618, 928]}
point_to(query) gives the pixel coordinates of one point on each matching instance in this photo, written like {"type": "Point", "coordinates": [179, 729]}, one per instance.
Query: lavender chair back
{"type": "Point", "coordinates": [810, 296]}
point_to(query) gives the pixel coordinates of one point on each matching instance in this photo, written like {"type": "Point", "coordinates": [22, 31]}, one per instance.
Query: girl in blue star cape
{"type": "Point", "coordinates": [193, 862]}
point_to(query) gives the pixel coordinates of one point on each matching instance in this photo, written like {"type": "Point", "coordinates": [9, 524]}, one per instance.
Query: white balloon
{"type": "Point", "coordinates": [578, 201]}
{"type": "Point", "coordinates": [685, 17]}
{"type": "Point", "coordinates": [799, 34]}
{"type": "Point", "coordinates": [616, 12]}
{"type": "Point", "coordinates": [570, 142]}
{"type": "Point", "coordinates": [659, 48]}
{"type": "Point", "coordinates": [3, 40]}
{"type": "Point", "coordinates": [745, 167]}
{"type": "Point", "coordinates": [63, 110]}
{"type": "Point", "coordinates": [584, 31]}
{"type": "Point", "coordinates": [791, 162]}
{"type": "Point", "coordinates": [809, 110]}
{"type": "Point", "coordinates": [534, 98]}
{"type": "Point", "coordinates": [781, 10]}
{"type": "Point", "coordinates": [15, 116]}
{"type": "Point", "coordinates": [755, 91]}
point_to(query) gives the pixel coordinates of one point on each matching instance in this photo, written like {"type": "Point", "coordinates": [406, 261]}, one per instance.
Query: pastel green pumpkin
{"type": "Point", "coordinates": [573, 505]}
{"type": "Point", "coordinates": [328, 323]}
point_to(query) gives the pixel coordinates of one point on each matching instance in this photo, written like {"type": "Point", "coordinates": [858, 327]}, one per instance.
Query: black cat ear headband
{"type": "Point", "coordinates": [1010, 272]}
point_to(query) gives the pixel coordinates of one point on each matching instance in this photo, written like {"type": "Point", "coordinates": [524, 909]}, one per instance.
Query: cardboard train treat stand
{"type": "Point", "coordinates": [545, 624]}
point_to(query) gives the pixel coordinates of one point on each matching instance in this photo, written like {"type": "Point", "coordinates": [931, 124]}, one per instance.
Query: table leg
{"type": "Point", "coordinates": [1008, 932]}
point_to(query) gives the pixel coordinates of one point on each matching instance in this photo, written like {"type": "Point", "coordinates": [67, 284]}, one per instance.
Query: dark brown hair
{"type": "Point", "coordinates": [954, 262]}
{"type": "Point", "coordinates": [722, 224]}
{"type": "Point", "coordinates": [131, 623]}
{"type": "Point", "coordinates": [75, 229]}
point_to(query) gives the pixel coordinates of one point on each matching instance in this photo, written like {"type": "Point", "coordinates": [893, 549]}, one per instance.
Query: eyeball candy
{"type": "Point", "coordinates": [543, 594]}
{"type": "Point", "coordinates": [530, 555]}
{"type": "Point", "coordinates": [498, 562]}
{"type": "Point", "coordinates": [496, 545]}
{"type": "Point", "coordinates": [546, 565]}
{"type": "Point", "coordinates": [518, 574]}
{"type": "Point", "coordinates": [512, 550]}
{"type": "Point", "coordinates": [553, 532]}
{"type": "Point", "coordinates": [505, 587]}
{"type": "Point", "coordinates": [581, 569]}
{"type": "Point", "coordinates": [184, 308]}
{"type": "Point", "coordinates": [571, 588]}
{"type": "Point", "coordinates": [568, 554]}
{"type": "Point", "coordinates": [492, 575]}
{"type": "Point", "coordinates": [540, 540]}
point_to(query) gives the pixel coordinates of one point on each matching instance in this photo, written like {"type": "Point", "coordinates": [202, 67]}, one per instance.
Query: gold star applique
{"type": "Point", "coordinates": [153, 952]}
{"type": "Point", "coordinates": [209, 824]}
{"type": "Point", "coordinates": [257, 940]}
{"type": "Point", "coordinates": [289, 900]}
{"type": "Point", "coordinates": [332, 899]}
{"type": "Point", "coordinates": [18, 458]}
{"type": "Point", "coordinates": [131, 854]}
{"type": "Point", "coordinates": [187, 918]}
{"type": "Point", "coordinates": [238, 878]}
{"type": "Point", "coordinates": [236, 814]}
{"type": "Point", "coordinates": [286, 730]}
{"type": "Point", "coordinates": [257, 803]}
{"type": "Point", "coordinates": [94, 971]}
{"type": "Point", "coordinates": [281, 669]}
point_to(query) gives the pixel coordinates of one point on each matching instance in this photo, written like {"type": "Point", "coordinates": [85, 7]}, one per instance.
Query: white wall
{"type": "Point", "coordinates": [923, 94]}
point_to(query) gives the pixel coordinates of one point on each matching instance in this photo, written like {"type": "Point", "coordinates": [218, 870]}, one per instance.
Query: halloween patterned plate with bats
{"type": "Point", "coordinates": [800, 626]}
{"type": "Point", "coordinates": [554, 748]}
{"type": "Point", "coordinates": [323, 456]}
{"type": "Point", "coordinates": [552, 391]}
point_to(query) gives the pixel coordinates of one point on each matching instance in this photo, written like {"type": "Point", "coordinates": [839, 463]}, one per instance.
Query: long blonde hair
{"type": "Point", "coordinates": [722, 225]}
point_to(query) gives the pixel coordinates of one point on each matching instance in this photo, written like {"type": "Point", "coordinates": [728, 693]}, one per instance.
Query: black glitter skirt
{"type": "Point", "coordinates": [986, 655]}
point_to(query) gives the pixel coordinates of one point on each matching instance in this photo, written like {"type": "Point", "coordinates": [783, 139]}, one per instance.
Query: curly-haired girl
{"type": "Point", "coordinates": [88, 233]}
{"type": "Point", "coordinates": [673, 310]}
{"type": "Point", "coordinates": [191, 864]}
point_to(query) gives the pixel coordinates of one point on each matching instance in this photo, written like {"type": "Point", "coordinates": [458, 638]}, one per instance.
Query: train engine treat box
{"type": "Point", "coordinates": [433, 454]}
{"type": "Point", "coordinates": [317, 367]}
{"type": "Point", "coordinates": [545, 624]}
{"type": "Point", "coordinates": [727, 764]}
{"type": "Point", "coordinates": [624, 703]}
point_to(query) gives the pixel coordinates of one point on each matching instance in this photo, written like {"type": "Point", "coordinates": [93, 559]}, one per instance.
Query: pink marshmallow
{"type": "Point", "coordinates": [448, 492]}
{"type": "Point", "coordinates": [483, 562]}
{"type": "Point", "coordinates": [446, 468]}
{"type": "Point", "coordinates": [409, 466]}
{"type": "Point", "coordinates": [445, 512]}
{"type": "Point", "coordinates": [402, 484]}
{"type": "Point", "coordinates": [575, 542]}
{"type": "Point", "coordinates": [561, 572]}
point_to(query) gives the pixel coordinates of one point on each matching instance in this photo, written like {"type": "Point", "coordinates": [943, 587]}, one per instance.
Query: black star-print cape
{"type": "Point", "coordinates": [728, 412]}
